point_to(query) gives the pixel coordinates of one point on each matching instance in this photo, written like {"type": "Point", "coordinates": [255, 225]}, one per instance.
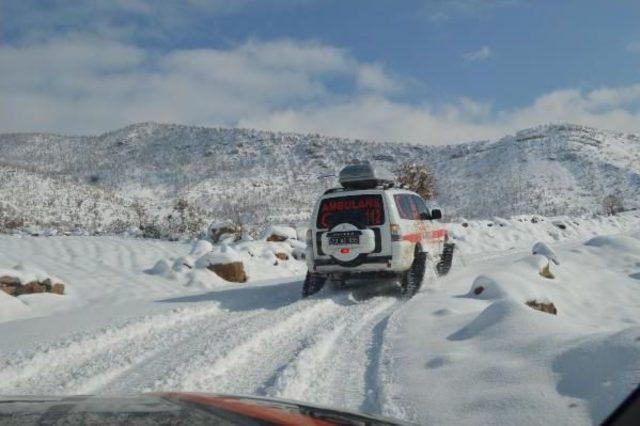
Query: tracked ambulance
{"type": "Point", "coordinates": [369, 227]}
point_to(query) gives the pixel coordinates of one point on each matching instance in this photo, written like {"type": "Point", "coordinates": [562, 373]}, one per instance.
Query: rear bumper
{"type": "Point", "coordinates": [399, 261]}
{"type": "Point", "coordinates": [367, 264]}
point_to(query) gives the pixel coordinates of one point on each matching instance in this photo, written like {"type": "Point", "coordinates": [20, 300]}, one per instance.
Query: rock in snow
{"type": "Point", "coordinates": [232, 271]}
{"type": "Point", "coordinates": [547, 307]}
{"type": "Point", "coordinates": [220, 230]}
{"type": "Point", "coordinates": [278, 233]}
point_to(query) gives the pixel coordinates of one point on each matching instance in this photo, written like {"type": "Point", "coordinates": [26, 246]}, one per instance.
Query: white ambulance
{"type": "Point", "coordinates": [370, 228]}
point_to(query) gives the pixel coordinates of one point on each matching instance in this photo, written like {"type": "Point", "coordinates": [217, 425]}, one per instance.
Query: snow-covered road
{"type": "Point", "coordinates": [446, 356]}
{"type": "Point", "coordinates": [253, 340]}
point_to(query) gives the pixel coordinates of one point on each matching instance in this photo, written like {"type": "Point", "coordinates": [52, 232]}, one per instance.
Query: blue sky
{"type": "Point", "coordinates": [426, 71]}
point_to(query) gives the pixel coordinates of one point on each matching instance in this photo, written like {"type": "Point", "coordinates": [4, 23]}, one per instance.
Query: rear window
{"type": "Point", "coordinates": [410, 206]}
{"type": "Point", "coordinates": [357, 209]}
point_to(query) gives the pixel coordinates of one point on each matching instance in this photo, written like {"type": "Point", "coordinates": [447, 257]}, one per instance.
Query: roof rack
{"type": "Point", "coordinates": [365, 176]}
{"type": "Point", "coordinates": [342, 189]}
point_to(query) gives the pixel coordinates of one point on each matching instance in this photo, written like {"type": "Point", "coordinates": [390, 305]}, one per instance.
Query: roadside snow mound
{"type": "Point", "coordinates": [27, 273]}
{"type": "Point", "coordinates": [505, 317]}
{"type": "Point", "coordinates": [520, 282]}
{"type": "Point", "coordinates": [521, 232]}
{"type": "Point", "coordinates": [546, 251]}
{"type": "Point", "coordinates": [224, 255]}
{"type": "Point", "coordinates": [11, 307]}
{"type": "Point", "coordinates": [492, 349]}
{"type": "Point", "coordinates": [618, 243]}
{"type": "Point", "coordinates": [260, 260]}
{"type": "Point", "coordinates": [280, 233]}
{"type": "Point", "coordinates": [26, 288]}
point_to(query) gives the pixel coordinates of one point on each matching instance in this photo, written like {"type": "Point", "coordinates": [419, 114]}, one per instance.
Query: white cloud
{"type": "Point", "coordinates": [481, 54]}
{"type": "Point", "coordinates": [373, 77]}
{"type": "Point", "coordinates": [378, 118]}
{"type": "Point", "coordinates": [87, 85]}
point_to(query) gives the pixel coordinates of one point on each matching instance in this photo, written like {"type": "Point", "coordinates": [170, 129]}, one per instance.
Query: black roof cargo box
{"type": "Point", "coordinates": [365, 175]}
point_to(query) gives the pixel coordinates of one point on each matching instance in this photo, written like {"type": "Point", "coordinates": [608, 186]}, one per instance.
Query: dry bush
{"type": "Point", "coordinates": [417, 178]}
{"type": "Point", "coordinates": [10, 218]}
{"type": "Point", "coordinates": [612, 205]}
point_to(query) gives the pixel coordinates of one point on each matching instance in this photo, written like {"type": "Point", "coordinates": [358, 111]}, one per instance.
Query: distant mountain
{"type": "Point", "coordinates": [139, 172]}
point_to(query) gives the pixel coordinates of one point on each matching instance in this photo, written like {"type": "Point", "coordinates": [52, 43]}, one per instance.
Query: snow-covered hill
{"type": "Point", "coordinates": [138, 174]}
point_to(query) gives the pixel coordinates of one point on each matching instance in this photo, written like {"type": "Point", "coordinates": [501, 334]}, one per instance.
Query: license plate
{"type": "Point", "coordinates": [344, 241]}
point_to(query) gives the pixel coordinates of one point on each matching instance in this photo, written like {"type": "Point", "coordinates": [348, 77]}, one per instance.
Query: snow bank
{"type": "Point", "coordinates": [261, 259]}
{"type": "Point", "coordinates": [11, 307]}
{"type": "Point", "coordinates": [618, 243]}
{"type": "Point", "coordinates": [224, 255]}
{"type": "Point", "coordinates": [521, 232]}
{"type": "Point", "coordinates": [495, 360]}
{"type": "Point", "coordinates": [96, 271]}
{"type": "Point", "coordinates": [27, 273]}
{"type": "Point", "coordinates": [282, 231]}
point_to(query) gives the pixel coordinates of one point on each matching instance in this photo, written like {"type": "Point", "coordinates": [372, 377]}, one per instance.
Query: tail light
{"type": "Point", "coordinates": [394, 229]}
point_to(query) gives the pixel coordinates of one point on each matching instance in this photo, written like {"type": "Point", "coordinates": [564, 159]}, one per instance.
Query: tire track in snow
{"type": "Point", "coordinates": [336, 369]}
{"type": "Point", "coordinates": [63, 367]}
{"type": "Point", "coordinates": [318, 349]}
{"type": "Point", "coordinates": [242, 361]}
{"type": "Point", "coordinates": [133, 367]}
{"type": "Point", "coordinates": [136, 357]}
{"type": "Point", "coordinates": [389, 398]}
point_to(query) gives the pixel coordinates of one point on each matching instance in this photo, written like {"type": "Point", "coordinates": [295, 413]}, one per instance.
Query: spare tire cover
{"type": "Point", "coordinates": [343, 253]}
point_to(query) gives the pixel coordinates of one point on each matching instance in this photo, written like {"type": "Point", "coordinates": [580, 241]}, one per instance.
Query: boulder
{"type": "Point", "coordinates": [280, 233]}
{"type": "Point", "coordinates": [11, 290]}
{"type": "Point", "coordinates": [276, 238]}
{"type": "Point", "coordinates": [221, 230]}
{"type": "Point", "coordinates": [58, 288]}
{"type": "Point", "coordinates": [547, 307]}
{"type": "Point", "coordinates": [226, 254]}
{"type": "Point", "coordinates": [546, 272]}
{"type": "Point", "coordinates": [13, 286]}
{"type": "Point", "coordinates": [282, 256]}
{"type": "Point", "coordinates": [559, 224]}
{"type": "Point", "coordinates": [31, 288]}
{"type": "Point", "coordinates": [47, 283]}
{"type": "Point", "coordinates": [7, 280]}
{"type": "Point", "coordinates": [233, 271]}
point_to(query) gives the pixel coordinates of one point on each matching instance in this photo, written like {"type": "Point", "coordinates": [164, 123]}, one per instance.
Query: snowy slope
{"type": "Point", "coordinates": [264, 177]}
{"type": "Point", "coordinates": [490, 359]}
{"type": "Point", "coordinates": [447, 356]}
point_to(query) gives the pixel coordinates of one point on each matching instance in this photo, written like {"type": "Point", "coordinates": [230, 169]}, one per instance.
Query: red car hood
{"type": "Point", "coordinates": [174, 408]}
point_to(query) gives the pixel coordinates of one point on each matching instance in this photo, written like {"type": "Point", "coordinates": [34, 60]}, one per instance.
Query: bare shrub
{"type": "Point", "coordinates": [118, 226]}
{"type": "Point", "coordinates": [10, 218]}
{"type": "Point", "coordinates": [612, 205]}
{"type": "Point", "coordinates": [140, 209]}
{"type": "Point", "coordinates": [184, 219]}
{"type": "Point", "coordinates": [417, 178]}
